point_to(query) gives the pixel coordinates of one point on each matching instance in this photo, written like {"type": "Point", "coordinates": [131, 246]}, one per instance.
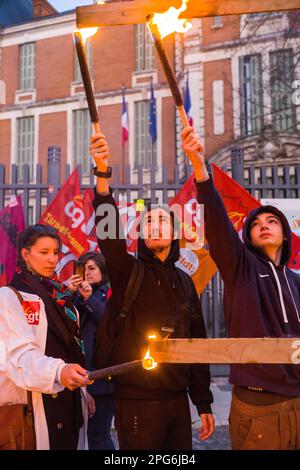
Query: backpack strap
{"type": "Point", "coordinates": [133, 287]}
{"type": "Point", "coordinates": [20, 298]}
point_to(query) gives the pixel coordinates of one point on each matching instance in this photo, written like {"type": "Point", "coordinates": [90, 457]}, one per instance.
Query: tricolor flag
{"type": "Point", "coordinates": [187, 101]}
{"type": "Point", "coordinates": [152, 116]}
{"type": "Point", "coordinates": [124, 119]}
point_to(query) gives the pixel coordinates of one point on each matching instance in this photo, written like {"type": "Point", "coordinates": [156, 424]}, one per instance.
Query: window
{"type": "Point", "coordinates": [281, 85]}
{"type": "Point", "coordinates": [217, 22]}
{"type": "Point", "coordinates": [89, 54]}
{"type": "Point", "coordinates": [145, 151]}
{"type": "Point", "coordinates": [27, 66]}
{"type": "Point", "coordinates": [144, 49]}
{"type": "Point", "coordinates": [82, 130]}
{"type": "Point", "coordinates": [25, 145]}
{"type": "Point", "coordinates": [251, 95]}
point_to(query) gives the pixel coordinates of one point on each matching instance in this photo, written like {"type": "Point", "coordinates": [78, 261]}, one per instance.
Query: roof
{"type": "Point", "coordinates": [15, 11]}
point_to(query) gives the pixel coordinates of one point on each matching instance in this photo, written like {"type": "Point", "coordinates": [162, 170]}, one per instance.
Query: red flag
{"type": "Point", "coordinates": [195, 261]}
{"type": "Point", "coordinates": [66, 214]}
{"type": "Point", "coordinates": [11, 224]}
{"type": "Point", "coordinates": [239, 203]}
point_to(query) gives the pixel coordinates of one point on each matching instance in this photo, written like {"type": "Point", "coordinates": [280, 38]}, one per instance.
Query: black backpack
{"type": "Point", "coordinates": [112, 324]}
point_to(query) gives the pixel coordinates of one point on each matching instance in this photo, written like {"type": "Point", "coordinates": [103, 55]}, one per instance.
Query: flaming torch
{"type": "Point", "coordinates": [79, 40]}
{"type": "Point", "coordinates": [147, 363]}
{"type": "Point", "coordinates": [161, 25]}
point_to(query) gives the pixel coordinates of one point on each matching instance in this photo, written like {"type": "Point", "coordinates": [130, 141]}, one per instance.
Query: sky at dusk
{"type": "Point", "coordinates": [64, 5]}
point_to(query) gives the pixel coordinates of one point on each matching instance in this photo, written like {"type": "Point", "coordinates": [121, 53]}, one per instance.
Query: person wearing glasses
{"type": "Point", "coordinates": [39, 326]}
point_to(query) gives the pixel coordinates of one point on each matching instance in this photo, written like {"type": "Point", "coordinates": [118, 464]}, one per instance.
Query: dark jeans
{"type": "Point", "coordinates": [153, 425]}
{"type": "Point", "coordinates": [99, 425]}
{"type": "Point", "coordinates": [265, 427]}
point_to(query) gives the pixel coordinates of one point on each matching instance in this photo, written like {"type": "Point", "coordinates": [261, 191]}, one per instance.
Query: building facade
{"type": "Point", "coordinates": [43, 102]}
{"type": "Point", "coordinates": [245, 75]}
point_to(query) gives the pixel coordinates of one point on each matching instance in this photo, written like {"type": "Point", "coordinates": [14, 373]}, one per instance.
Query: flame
{"type": "Point", "coordinates": [152, 336]}
{"type": "Point", "coordinates": [87, 33]}
{"type": "Point", "coordinates": [148, 362]}
{"type": "Point", "coordinates": [169, 22]}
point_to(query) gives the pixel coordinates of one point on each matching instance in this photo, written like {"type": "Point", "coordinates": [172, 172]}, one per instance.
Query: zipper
{"type": "Point", "coordinates": [284, 270]}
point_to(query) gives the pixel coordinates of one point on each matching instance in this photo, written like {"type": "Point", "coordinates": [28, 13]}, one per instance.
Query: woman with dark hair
{"type": "Point", "coordinates": [39, 326]}
{"type": "Point", "coordinates": [90, 304]}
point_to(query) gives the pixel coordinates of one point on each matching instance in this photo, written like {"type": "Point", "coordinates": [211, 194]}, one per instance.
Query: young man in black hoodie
{"type": "Point", "coordinates": [151, 407]}
{"type": "Point", "coordinates": [261, 299]}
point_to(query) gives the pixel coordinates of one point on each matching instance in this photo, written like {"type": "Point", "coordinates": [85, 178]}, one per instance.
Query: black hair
{"type": "Point", "coordinates": [99, 260]}
{"type": "Point", "coordinates": [31, 234]}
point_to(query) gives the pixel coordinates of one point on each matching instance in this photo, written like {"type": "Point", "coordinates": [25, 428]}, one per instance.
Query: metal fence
{"type": "Point", "coordinates": [273, 181]}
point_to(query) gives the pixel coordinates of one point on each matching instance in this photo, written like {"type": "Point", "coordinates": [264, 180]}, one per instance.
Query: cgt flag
{"type": "Point", "coordinates": [238, 203]}
{"type": "Point", "coordinates": [66, 214]}
{"type": "Point", "coordinates": [11, 224]}
{"type": "Point", "coordinates": [194, 261]}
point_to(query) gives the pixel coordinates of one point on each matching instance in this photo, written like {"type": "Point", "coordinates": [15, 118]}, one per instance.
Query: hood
{"type": "Point", "coordinates": [147, 256]}
{"type": "Point", "coordinates": [287, 244]}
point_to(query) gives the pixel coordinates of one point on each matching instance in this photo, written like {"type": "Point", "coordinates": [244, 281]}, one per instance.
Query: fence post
{"type": "Point", "coordinates": [53, 172]}
{"type": "Point", "coordinates": [237, 164]}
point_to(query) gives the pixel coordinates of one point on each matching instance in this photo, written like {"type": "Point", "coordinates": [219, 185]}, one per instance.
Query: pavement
{"type": "Point", "coordinates": [220, 440]}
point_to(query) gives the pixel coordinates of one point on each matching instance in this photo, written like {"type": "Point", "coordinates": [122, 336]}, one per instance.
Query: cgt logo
{"type": "Point", "coordinates": [32, 312]}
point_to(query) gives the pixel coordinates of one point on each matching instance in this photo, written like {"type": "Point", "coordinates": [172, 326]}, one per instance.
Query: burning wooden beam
{"type": "Point", "coordinates": [227, 350]}
{"type": "Point", "coordinates": [133, 12]}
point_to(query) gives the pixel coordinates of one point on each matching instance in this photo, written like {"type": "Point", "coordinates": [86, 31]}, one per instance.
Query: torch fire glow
{"type": "Point", "coordinates": [161, 25]}
{"type": "Point", "coordinates": [79, 39]}
{"type": "Point", "coordinates": [148, 362]}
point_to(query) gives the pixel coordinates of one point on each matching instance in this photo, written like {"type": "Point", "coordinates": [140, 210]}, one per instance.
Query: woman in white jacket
{"type": "Point", "coordinates": [43, 347]}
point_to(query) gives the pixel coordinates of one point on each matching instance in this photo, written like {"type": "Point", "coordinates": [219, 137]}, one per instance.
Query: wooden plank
{"type": "Point", "coordinates": [227, 350]}
{"type": "Point", "coordinates": [133, 12]}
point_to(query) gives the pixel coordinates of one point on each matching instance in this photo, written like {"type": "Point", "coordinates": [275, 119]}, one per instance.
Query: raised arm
{"type": "Point", "coordinates": [225, 246]}
{"type": "Point", "coordinates": [110, 236]}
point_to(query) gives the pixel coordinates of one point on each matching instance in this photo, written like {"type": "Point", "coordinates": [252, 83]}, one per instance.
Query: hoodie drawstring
{"type": "Point", "coordinates": [284, 270]}
{"type": "Point", "coordinates": [280, 293]}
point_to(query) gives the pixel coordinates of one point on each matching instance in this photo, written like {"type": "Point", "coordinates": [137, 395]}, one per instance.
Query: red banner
{"type": "Point", "coordinates": [11, 224]}
{"type": "Point", "coordinates": [66, 214]}
{"type": "Point", "coordinates": [194, 257]}
{"type": "Point", "coordinates": [239, 203]}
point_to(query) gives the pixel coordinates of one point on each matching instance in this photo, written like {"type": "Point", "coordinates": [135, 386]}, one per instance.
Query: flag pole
{"type": "Point", "coordinates": [123, 162]}
{"type": "Point", "coordinates": [123, 141]}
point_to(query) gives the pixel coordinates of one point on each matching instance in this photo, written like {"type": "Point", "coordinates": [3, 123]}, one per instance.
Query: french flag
{"type": "Point", "coordinates": [187, 102]}
{"type": "Point", "coordinates": [124, 119]}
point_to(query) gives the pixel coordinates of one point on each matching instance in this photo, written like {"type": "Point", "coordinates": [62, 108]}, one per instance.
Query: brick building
{"type": "Point", "coordinates": [43, 102]}
{"type": "Point", "coordinates": [243, 76]}
{"type": "Point", "coordinates": [244, 73]}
